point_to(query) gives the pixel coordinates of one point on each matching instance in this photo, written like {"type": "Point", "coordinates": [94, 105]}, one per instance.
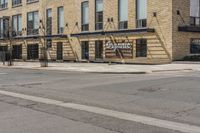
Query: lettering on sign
{"type": "Point", "coordinates": [122, 45]}
{"type": "Point", "coordinates": [118, 49]}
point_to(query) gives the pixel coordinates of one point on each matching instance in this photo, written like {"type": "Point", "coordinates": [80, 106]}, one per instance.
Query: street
{"type": "Point", "coordinates": [167, 96]}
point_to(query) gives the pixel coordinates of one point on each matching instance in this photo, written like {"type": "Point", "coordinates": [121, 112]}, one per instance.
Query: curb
{"type": "Point", "coordinates": [103, 72]}
{"type": "Point", "coordinates": [98, 72]}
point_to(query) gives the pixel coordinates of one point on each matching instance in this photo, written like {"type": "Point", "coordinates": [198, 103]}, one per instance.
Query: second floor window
{"type": "Point", "coordinates": [85, 16]}
{"type": "Point", "coordinates": [60, 20]}
{"type": "Point", "coordinates": [141, 6]}
{"type": "Point", "coordinates": [4, 27]}
{"type": "Point", "coordinates": [32, 23]}
{"type": "Point", "coordinates": [16, 2]}
{"type": "Point", "coordinates": [1, 28]}
{"type": "Point", "coordinates": [3, 4]}
{"type": "Point", "coordinates": [123, 14]}
{"type": "Point", "coordinates": [17, 25]}
{"type": "Point", "coordinates": [49, 22]}
{"type": "Point", "coordinates": [99, 15]}
{"type": "Point", "coordinates": [30, 1]}
{"type": "Point", "coordinates": [195, 12]}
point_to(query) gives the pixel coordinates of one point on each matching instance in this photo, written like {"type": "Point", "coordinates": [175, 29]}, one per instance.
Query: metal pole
{"type": "Point", "coordinates": [199, 13]}
{"type": "Point", "coordinates": [9, 33]}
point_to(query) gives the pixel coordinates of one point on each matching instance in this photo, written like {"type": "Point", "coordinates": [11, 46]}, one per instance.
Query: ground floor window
{"type": "Point", "coordinates": [99, 49]}
{"type": "Point", "coordinates": [33, 51]}
{"type": "Point", "coordinates": [17, 52]}
{"type": "Point", "coordinates": [195, 46]}
{"type": "Point", "coordinates": [85, 50]}
{"type": "Point", "coordinates": [49, 43]}
{"type": "Point", "coordinates": [59, 51]}
{"type": "Point", "coordinates": [4, 54]}
{"type": "Point", "coordinates": [141, 48]}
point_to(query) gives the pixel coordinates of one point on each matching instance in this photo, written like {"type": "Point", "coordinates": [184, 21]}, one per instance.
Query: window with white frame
{"type": "Point", "coordinates": [141, 9]}
{"type": "Point", "coordinates": [195, 12]}
{"type": "Point", "coordinates": [60, 20]}
{"type": "Point", "coordinates": [17, 25]}
{"type": "Point", "coordinates": [123, 14]}
{"type": "Point", "coordinates": [85, 16]}
{"type": "Point", "coordinates": [33, 23]}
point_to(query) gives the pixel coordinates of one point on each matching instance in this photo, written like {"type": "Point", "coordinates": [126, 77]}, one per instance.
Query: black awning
{"type": "Point", "coordinates": [114, 32]}
{"type": "Point", "coordinates": [36, 37]}
{"type": "Point", "coordinates": [189, 28]}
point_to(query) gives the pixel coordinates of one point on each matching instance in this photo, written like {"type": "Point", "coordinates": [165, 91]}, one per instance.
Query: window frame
{"type": "Point", "coordinates": [60, 30]}
{"type": "Point", "coordinates": [141, 53]}
{"type": "Point", "coordinates": [122, 24]}
{"type": "Point", "coordinates": [99, 25]}
{"type": "Point", "coordinates": [84, 27]}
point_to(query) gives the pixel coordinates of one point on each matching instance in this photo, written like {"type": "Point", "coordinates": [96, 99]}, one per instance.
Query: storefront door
{"type": "Point", "coordinates": [17, 52]}
{"type": "Point", "coordinates": [59, 51]}
{"type": "Point", "coordinates": [85, 50]}
{"type": "Point", "coordinates": [33, 52]}
{"type": "Point", "coordinates": [4, 54]}
{"type": "Point", "coordinates": [98, 50]}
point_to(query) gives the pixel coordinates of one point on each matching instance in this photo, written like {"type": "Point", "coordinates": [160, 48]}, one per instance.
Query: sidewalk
{"type": "Point", "coordinates": [106, 68]}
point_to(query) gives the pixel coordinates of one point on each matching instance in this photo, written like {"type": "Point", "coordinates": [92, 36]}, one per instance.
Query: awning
{"type": "Point", "coordinates": [189, 28]}
{"type": "Point", "coordinates": [114, 32]}
{"type": "Point", "coordinates": [37, 37]}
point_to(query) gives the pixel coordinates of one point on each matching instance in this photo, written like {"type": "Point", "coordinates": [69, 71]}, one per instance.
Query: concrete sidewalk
{"type": "Point", "coordinates": [106, 68]}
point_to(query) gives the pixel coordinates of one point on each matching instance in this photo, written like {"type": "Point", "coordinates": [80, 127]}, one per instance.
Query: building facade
{"type": "Point", "coordinates": [127, 31]}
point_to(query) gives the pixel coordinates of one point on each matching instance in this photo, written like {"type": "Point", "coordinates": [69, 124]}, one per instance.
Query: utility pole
{"type": "Point", "coordinates": [199, 13]}
{"type": "Point", "coordinates": [8, 20]}
{"type": "Point", "coordinates": [44, 61]}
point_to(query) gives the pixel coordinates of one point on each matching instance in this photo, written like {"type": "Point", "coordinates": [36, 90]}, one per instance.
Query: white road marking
{"type": "Point", "coordinates": [182, 127]}
{"type": "Point", "coordinates": [3, 73]}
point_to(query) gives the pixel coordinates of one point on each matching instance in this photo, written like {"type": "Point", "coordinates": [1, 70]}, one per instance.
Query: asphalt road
{"type": "Point", "coordinates": [171, 96]}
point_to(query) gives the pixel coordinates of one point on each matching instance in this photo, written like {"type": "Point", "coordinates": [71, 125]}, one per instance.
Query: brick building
{"type": "Point", "coordinates": [128, 31]}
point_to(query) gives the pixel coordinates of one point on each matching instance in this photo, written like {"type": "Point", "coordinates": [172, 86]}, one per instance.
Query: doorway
{"type": "Point", "coordinates": [85, 50]}
{"type": "Point", "coordinates": [33, 51]}
{"type": "Point", "coordinates": [59, 51]}
{"type": "Point", "coordinates": [98, 50]}
{"type": "Point", "coordinates": [17, 52]}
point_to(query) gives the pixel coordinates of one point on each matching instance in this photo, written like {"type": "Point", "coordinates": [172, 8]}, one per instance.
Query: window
{"type": "Point", "coordinates": [195, 46]}
{"type": "Point", "coordinates": [123, 14]}
{"type": "Point", "coordinates": [141, 48]}
{"type": "Point", "coordinates": [16, 2]}
{"type": "Point", "coordinates": [32, 23]}
{"type": "Point", "coordinates": [33, 51]}
{"type": "Point", "coordinates": [60, 20]}
{"type": "Point", "coordinates": [17, 52]}
{"type": "Point", "coordinates": [99, 49]}
{"type": "Point", "coordinates": [4, 26]}
{"type": "Point", "coordinates": [17, 25]}
{"type": "Point", "coordinates": [141, 13]}
{"type": "Point", "coordinates": [32, 1]}
{"type": "Point", "coordinates": [1, 28]}
{"type": "Point", "coordinates": [99, 15]}
{"type": "Point", "coordinates": [85, 16]}
{"type": "Point", "coordinates": [49, 22]}
{"type": "Point", "coordinates": [3, 4]}
{"type": "Point", "coordinates": [195, 12]}
{"type": "Point", "coordinates": [85, 50]}
{"type": "Point", "coordinates": [49, 43]}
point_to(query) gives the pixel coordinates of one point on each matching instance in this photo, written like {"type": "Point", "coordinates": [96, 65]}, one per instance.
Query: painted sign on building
{"type": "Point", "coordinates": [119, 50]}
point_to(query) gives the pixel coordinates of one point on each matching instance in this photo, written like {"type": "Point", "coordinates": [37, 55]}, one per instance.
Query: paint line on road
{"type": "Point", "coordinates": [3, 73]}
{"type": "Point", "coordinates": [182, 127]}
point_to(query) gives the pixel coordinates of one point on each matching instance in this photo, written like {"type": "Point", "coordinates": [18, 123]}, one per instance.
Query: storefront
{"type": "Point", "coordinates": [195, 46]}
{"type": "Point", "coordinates": [33, 52]}
{"type": "Point", "coordinates": [17, 52]}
